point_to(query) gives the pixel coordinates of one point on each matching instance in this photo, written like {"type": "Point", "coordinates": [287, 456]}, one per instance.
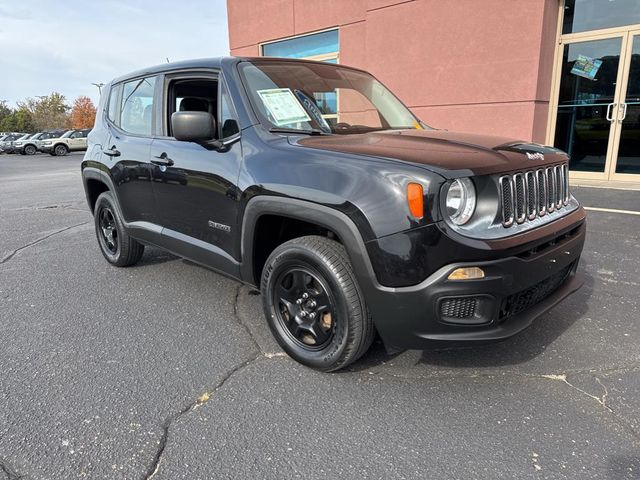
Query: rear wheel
{"type": "Point", "coordinates": [30, 150]}
{"type": "Point", "coordinates": [313, 304]}
{"type": "Point", "coordinates": [61, 150]}
{"type": "Point", "coordinates": [115, 243]}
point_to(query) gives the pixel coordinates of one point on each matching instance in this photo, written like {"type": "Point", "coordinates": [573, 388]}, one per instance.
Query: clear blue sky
{"type": "Point", "coordinates": [65, 45]}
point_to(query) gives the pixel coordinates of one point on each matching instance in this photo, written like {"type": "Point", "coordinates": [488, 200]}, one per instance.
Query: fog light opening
{"type": "Point", "coordinates": [466, 273]}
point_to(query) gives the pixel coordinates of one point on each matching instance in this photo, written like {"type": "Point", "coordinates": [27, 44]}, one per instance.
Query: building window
{"type": "Point", "coordinates": [584, 15]}
{"type": "Point", "coordinates": [322, 47]}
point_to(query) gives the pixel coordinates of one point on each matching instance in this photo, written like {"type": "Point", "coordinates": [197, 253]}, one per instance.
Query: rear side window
{"type": "Point", "coordinates": [136, 111]}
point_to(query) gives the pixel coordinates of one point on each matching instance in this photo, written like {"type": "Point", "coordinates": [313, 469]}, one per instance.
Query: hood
{"type": "Point", "coordinates": [447, 153]}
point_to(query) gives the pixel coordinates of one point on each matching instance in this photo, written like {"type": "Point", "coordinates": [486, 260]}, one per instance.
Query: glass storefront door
{"type": "Point", "coordinates": [586, 102]}
{"type": "Point", "coordinates": [595, 103]}
{"type": "Point", "coordinates": [597, 109]}
{"type": "Point", "coordinates": [628, 154]}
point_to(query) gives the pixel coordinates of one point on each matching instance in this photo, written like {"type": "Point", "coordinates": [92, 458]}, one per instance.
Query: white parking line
{"type": "Point", "coordinates": [612, 210]}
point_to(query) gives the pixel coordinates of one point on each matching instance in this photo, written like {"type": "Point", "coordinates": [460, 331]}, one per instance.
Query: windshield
{"type": "Point", "coordinates": [67, 134]}
{"type": "Point", "coordinates": [322, 97]}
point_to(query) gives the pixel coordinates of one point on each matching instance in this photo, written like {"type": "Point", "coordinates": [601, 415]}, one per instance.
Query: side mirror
{"type": "Point", "coordinates": [193, 126]}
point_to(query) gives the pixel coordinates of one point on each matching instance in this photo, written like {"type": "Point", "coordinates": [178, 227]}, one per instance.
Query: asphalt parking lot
{"type": "Point", "coordinates": [168, 370]}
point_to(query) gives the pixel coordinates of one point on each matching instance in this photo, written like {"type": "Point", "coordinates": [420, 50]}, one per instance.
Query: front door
{"type": "Point", "coordinates": [597, 105]}
{"type": "Point", "coordinates": [194, 185]}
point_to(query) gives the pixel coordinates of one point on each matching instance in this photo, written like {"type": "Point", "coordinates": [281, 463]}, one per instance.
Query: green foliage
{"type": "Point", "coordinates": [19, 120]}
{"type": "Point", "coordinates": [5, 110]}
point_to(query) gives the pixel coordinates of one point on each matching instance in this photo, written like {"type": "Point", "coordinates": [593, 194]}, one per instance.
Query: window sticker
{"type": "Point", "coordinates": [586, 67]}
{"type": "Point", "coordinates": [283, 106]}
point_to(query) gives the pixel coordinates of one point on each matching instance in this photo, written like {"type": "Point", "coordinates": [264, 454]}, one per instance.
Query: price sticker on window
{"type": "Point", "coordinates": [283, 106]}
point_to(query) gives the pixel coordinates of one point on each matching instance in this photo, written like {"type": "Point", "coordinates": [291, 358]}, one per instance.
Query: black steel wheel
{"type": "Point", "coordinates": [305, 309]}
{"type": "Point", "coordinates": [108, 229]}
{"type": "Point", "coordinates": [115, 243]}
{"type": "Point", "coordinates": [313, 303]}
{"type": "Point", "coordinates": [30, 150]}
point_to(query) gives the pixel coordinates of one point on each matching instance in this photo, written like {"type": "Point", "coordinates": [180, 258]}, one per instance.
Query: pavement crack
{"type": "Point", "coordinates": [239, 321]}
{"type": "Point", "coordinates": [207, 395]}
{"type": "Point", "coordinates": [38, 240]}
{"type": "Point", "coordinates": [201, 400]}
{"type": "Point", "coordinates": [9, 472]}
{"type": "Point", "coordinates": [602, 400]}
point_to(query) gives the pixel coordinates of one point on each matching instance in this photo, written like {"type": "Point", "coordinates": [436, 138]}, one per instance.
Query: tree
{"type": "Point", "coordinates": [48, 112]}
{"type": "Point", "coordinates": [83, 113]}
{"type": "Point", "coordinates": [5, 110]}
{"type": "Point", "coordinates": [19, 120]}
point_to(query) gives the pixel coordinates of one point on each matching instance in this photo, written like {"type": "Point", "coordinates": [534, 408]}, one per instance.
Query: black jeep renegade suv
{"type": "Point", "coordinates": [315, 183]}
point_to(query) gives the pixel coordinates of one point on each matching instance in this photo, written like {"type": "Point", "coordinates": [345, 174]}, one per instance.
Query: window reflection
{"type": "Point", "coordinates": [584, 15]}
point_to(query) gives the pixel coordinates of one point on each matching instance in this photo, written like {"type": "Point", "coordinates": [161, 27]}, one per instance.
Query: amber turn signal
{"type": "Point", "coordinates": [415, 200]}
{"type": "Point", "coordinates": [467, 273]}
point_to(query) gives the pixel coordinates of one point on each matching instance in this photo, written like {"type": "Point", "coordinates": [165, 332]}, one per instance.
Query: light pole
{"type": "Point", "coordinates": [99, 85]}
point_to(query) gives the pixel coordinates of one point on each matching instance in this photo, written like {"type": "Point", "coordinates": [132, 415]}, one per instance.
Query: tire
{"type": "Point", "coordinates": [52, 153]}
{"type": "Point", "coordinates": [115, 243]}
{"type": "Point", "coordinates": [341, 330]}
{"type": "Point", "coordinates": [61, 150]}
{"type": "Point", "coordinates": [29, 150]}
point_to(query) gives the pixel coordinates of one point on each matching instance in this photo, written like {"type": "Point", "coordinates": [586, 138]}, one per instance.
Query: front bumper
{"type": "Point", "coordinates": [516, 290]}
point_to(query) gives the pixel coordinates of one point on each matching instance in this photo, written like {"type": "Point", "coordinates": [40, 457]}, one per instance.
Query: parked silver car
{"type": "Point", "coordinates": [6, 142]}
{"type": "Point", "coordinates": [33, 144]}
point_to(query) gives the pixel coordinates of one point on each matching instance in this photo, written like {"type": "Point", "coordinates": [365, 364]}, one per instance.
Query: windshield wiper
{"type": "Point", "coordinates": [311, 131]}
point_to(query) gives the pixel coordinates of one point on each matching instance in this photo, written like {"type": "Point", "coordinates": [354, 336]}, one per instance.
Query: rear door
{"type": "Point", "coordinates": [195, 186]}
{"type": "Point", "coordinates": [131, 126]}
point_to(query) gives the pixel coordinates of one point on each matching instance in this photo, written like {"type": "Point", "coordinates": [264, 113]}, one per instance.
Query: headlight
{"type": "Point", "coordinates": [461, 201]}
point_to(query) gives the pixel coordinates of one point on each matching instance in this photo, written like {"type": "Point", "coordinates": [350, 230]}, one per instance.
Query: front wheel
{"type": "Point", "coordinates": [313, 303]}
{"type": "Point", "coordinates": [115, 243]}
{"type": "Point", "coordinates": [30, 150]}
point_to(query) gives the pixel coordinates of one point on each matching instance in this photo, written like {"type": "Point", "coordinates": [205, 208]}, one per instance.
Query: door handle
{"type": "Point", "coordinates": [112, 152]}
{"type": "Point", "coordinates": [610, 108]}
{"type": "Point", "coordinates": [163, 160]}
{"type": "Point", "coordinates": [624, 112]}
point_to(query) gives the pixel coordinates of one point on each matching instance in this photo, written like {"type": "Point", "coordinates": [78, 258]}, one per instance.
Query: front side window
{"type": "Point", "coordinates": [136, 110]}
{"type": "Point", "coordinates": [301, 95]}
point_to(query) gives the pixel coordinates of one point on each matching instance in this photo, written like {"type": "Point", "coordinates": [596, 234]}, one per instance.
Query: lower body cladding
{"type": "Point", "coordinates": [513, 292]}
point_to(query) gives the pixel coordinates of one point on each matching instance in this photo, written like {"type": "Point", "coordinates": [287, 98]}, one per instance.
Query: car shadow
{"type": "Point", "coordinates": [155, 256]}
{"type": "Point", "coordinates": [518, 349]}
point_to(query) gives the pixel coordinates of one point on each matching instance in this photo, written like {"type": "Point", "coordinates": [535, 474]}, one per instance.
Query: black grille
{"type": "Point", "coordinates": [506, 199]}
{"type": "Point", "coordinates": [464, 307]}
{"type": "Point", "coordinates": [542, 192]}
{"type": "Point", "coordinates": [521, 301]}
{"type": "Point", "coordinates": [520, 199]}
{"type": "Point", "coordinates": [527, 195]}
